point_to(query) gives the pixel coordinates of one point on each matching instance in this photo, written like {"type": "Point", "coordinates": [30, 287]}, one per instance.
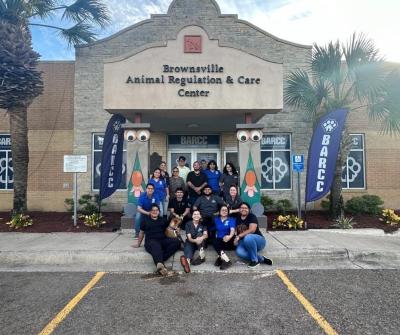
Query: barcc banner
{"type": "Point", "coordinates": [323, 152]}
{"type": "Point", "coordinates": [111, 160]}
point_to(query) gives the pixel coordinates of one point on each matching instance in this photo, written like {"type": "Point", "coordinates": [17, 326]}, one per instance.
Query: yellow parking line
{"type": "Point", "coordinates": [70, 306]}
{"type": "Point", "coordinates": [307, 305]}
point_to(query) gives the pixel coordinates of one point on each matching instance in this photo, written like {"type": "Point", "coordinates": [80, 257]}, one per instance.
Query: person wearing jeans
{"type": "Point", "coordinates": [249, 240]}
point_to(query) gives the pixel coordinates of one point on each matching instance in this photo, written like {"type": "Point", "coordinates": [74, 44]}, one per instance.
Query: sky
{"type": "Point", "coordinates": [299, 21]}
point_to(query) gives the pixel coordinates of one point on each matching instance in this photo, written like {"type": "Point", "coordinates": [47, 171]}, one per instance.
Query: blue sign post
{"type": "Point", "coordinates": [298, 166]}
{"type": "Point", "coordinates": [298, 163]}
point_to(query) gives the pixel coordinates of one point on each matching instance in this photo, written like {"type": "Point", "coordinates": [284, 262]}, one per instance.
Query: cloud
{"type": "Point", "coordinates": [300, 21]}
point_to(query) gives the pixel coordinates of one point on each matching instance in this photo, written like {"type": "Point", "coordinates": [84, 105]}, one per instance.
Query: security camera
{"type": "Point", "coordinates": [130, 135]}
{"type": "Point", "coordinates": [256, 135]}
{"type": "Point", "coordinates": [143, 135]}
{"type": "Point", "coordinates": [243, 135]}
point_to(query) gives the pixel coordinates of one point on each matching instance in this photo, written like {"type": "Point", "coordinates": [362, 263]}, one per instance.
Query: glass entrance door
{"type": "Point", "coordinates": [174, 156]}
{"type": "Point", "coordinates": [193, 155]}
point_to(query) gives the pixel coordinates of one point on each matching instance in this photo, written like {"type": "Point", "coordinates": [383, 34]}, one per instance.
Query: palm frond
{"type": "Point", "coordinates": [78, 34]}
{"type": "Point", "coordinates": [386, 108]}
{"type": "Point", "coordinates": [364, 67]}
{"type": "Point", "coordinates": [301, 93]}
{"type": "Point", "coordinates": [360, 50]}
{"type": "Point", "coordinates": [41, 8]}
{"type": "Point", "coordinates": [12, 11]}
{"type": "Point", "coordinates": [326, 64]}
{"type": "Point", "coordinates": [87, 10]}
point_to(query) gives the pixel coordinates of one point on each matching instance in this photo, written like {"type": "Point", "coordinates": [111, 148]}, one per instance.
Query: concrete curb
{"type": "Point", "coordinates": [141, 262]}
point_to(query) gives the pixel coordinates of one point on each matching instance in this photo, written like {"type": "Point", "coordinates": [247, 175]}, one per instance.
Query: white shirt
{"type": "Point", "coordinates": [183, 171]}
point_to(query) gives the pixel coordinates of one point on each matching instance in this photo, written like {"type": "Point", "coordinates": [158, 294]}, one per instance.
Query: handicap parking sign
{"type": "Point", "coordinates": [298, 163]}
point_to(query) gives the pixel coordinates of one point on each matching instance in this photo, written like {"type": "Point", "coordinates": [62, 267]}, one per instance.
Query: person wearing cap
{"type": "Point", "coordinates": [183, 169]}
{"type": "Point", "coordinates": [208, 205]}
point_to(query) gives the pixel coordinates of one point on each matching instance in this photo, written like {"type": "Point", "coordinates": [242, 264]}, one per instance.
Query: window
{"type": "Point", "coordinates": [353, 172]}
{"type": "Point", "coordinates": [275, 162]}
{"type": "Point", "coordinates": [233, 157]}
{"type": "Point", "coordinates": [6, 168]}
{"type": "Point", "coordinates": [97, 147]}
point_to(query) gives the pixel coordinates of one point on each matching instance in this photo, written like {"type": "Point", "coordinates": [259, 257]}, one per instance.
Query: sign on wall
{"type": "Point", "coordinates": [75, 163]}
{"type": "Point", "coordinates": [168, 76]}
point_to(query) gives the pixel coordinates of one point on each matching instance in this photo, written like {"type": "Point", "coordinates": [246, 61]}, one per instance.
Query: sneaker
{"type": "Point", "coordinates": [198, 261]}
{"type": "Point", "coordinates": [225, 265]}
{"type": "Point", "coordinates": [218, 262]}
{"type": "Point", "coordinates": [267, 261]}
{"type": "Point", "coordinates": [161, 269]}
{"type": "Point", "coordinates": [253, 264]}
{"type": "Point", "coordinates": [185, 264]}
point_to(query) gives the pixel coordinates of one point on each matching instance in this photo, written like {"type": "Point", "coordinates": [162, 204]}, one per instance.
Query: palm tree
{"type": "Point", "coordinates": [20, 80]}
{"type": "Point", "coordinates": [348, 76]}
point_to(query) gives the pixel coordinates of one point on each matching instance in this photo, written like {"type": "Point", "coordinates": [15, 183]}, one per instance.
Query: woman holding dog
{"type": "Point", "coordinates": [224, 237]}
{"type": "Point", "coordinates": [249, 239]}
{"type": "Point", "coordinates": [157, 244]}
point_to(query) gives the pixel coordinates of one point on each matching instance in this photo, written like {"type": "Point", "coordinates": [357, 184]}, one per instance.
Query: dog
{"type": "Point", "coordinates": [173, 230]}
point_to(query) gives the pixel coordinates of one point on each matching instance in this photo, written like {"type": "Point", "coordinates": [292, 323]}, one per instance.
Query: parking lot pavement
{"type": "Point", "coordinates": [29, 300]}
{"type": "Point", "coordinates": [351, 301]}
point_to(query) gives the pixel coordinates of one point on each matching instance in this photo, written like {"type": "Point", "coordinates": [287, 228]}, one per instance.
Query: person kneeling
{"type": "Point", "coordinates": [157, 244]}
{"type": "Point", "coordinates": [196, 234]}
{"type": "Point", "coordinates": [224, 239]}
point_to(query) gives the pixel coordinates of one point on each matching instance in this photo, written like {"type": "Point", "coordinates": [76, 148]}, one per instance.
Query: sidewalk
{"type": "Point", "coordinates": [312, 249]}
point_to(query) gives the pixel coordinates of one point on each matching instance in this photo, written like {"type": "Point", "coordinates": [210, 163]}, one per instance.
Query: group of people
{"type": "Point", "coordinates": [210, 209]}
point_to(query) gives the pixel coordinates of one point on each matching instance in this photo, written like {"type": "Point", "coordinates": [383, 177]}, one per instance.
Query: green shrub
{"type": "Point", "coordinates": [20, 221]}
{"type": "Point", "coordinates": [87, 204]}
{"type": "Point", "coordinates": [366, 204]}
{"type": "Point", "coordinates": [283, 206]}
{"type": "Point", "coordinates": [267, 202]}
{"type": "Point", "coordinates": [326, 204]}
{"type": "Point", "coordinates": [94, 220]}
{"type": "Point", "coordinates": [344, 223]}
{"type": "Point", "coordinates": [288, 221]}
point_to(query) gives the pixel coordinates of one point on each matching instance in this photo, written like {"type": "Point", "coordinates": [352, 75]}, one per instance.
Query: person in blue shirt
{"type": "Point", "coordinates": [224, 237]}
{"type": "Point", "coordinates": [161, 190]}
{"type": "Point", "coordinates": [145, 201]}
{"type": "Point", "coordinates": [213, 176]}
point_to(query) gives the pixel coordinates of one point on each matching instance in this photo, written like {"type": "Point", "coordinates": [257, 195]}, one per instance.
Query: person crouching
{"type": "Point", "coordinates": [157, 244]}
{"type": "Point", "coordinates": [196, 234]}
{"type": "Point", "coordinates": [224, 237]}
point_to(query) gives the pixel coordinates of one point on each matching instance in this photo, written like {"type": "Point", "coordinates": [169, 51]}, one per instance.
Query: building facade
{"type": "Point", "coordinates": [202, 83]}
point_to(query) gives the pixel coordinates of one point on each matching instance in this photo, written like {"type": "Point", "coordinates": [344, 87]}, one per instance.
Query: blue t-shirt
{"type": "Point", "coordinates": [224, 227]}
{"type": "Point", "coordinates": [145, 202]}
{"type": "Point", "coordinates": [159, 188]}
{"type": "Point", "coordinates": [213, 179]}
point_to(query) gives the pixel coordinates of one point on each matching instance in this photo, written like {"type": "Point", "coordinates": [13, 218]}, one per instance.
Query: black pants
{"type": "Point", "coordinates": [161, 250]}
{"type": "Point", "coordinates": [220, 245]}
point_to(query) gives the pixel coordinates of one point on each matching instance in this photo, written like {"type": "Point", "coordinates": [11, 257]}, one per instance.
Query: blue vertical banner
{"type": "Point", "coordinates": [323, 152]}
{"type": "Point", "coordinates": [111, 161]}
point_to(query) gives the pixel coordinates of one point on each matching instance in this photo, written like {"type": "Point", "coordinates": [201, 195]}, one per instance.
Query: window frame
{"type": "Point", "coordinates": [363, 165]}
{"type": "Point", "coordinates": [290, 163]}
{"type": "Point", "coordinates": [7, 151]}
{"type": "Point", "coordinates": [93, 150]}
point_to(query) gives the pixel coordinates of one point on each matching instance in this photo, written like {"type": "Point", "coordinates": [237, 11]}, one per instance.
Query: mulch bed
{"type": "Point", "coordinates": [51, 222]}
{"type": "Point", "coordinates": [48, 222]}
{"type": "Point", "coordinates": [320, 220]}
